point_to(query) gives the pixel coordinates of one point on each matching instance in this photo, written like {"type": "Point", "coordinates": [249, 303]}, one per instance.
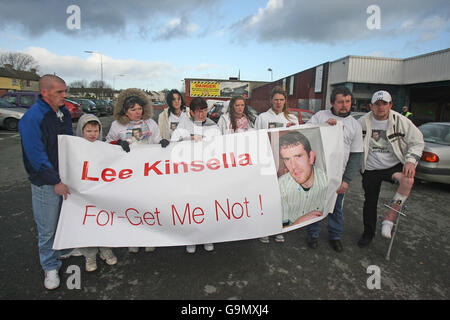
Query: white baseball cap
{"type": "Point", "coordinates": [381, 95]}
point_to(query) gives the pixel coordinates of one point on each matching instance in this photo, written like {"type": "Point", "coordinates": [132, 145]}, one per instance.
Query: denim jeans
{"type": "Point", "coordinates": [46, 209]}
{"type": "Point", "coordinates": [335, 222]}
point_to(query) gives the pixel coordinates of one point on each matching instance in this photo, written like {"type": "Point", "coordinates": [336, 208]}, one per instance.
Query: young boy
{"type": "Point", "coordinates": [90, 128]}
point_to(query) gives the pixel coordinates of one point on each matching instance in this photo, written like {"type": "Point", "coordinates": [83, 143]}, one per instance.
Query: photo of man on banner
{"type": "Point", "coordinates": [301, 174]}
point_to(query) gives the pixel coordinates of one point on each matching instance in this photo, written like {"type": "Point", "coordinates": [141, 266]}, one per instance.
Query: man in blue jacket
{"type": "Point", "coordinates": [39, 129]}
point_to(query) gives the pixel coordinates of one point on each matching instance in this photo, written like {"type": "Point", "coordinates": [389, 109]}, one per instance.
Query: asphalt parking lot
{"type": "Point", "coordinates": [418, 269]}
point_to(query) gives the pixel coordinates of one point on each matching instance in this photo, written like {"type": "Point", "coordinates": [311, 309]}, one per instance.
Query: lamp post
{"type": "Point", "coordinates": [271, 74]}
{"type": "Point", "coordinates": [101, 69]}
{"type": "Point", "coordinates": [114, 79]}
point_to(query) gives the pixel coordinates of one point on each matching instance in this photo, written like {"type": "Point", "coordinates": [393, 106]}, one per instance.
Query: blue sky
{"type": "Point", "coordinates": [156, 44]}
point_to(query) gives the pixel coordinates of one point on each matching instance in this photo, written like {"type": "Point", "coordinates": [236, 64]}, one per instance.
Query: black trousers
{"type": "Point", "coordinates": [371, 181]}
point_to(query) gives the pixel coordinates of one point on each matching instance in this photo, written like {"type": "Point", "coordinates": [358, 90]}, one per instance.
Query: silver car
{"type": "Point", "coordinates": [10, 115]}
{"type": "Point", "coordinates": [435, 162]}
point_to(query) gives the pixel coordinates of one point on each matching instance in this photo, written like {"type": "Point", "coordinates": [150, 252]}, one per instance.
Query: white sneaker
{"type": "Point", "coordinates": [264, 239]}
{"type": "Point", "coordinates": [209, 246]}
{"type": "Point", "coordinates": [279, 238]}
{"type": "Point", "coordinates": [51, 280]}
{"type": "Point", "coordinates": [107, 255]}
{"type": "Point", "coordinates": [386, 228]}
{"type": "Point", "coordinates": [133, 249]}
{"type": "Point", "coordinates": [191, 249]}
{"type": "Point", "coordinates": [91, 264]}
{"type": "Point", "coordinates": [149, 249]}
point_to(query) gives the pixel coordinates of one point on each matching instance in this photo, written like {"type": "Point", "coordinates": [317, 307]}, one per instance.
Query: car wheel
{"type": "Point", "coordinates": [11, 124]}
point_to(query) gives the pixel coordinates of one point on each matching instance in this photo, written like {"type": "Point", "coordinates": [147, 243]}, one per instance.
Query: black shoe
{"type": "Point", "coordinates": [312, 242]}
{"type": "Point", "coordinates": [364, 241]}
{"type": "Point", "coordinates": [336, 245]}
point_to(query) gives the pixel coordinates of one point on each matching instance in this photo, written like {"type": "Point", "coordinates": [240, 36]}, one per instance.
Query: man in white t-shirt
{"type": "Point", "coordinates": [392, 148]}
{"type": "Point", "coordinates": [341, 102]}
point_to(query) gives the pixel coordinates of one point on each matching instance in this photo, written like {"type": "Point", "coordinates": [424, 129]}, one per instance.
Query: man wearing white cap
{"type": "Point", "coordinates": [392, 148]}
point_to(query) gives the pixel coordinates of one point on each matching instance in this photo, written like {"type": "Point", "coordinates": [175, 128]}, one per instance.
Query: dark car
{"type": "Point", "coordinates": [87, 105]}
{"type": "Point", "coordinates": [217, 110]}
{"type": "Point", "coordinates": [102, 107]}
{"type": "Point", "coordinates": [24, 99]}
{"type": "Point", "coordinates": [109, 107]}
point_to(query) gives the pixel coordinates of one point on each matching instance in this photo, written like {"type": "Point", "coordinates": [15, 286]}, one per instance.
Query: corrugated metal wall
{"type": "Point", "coordinates": [427, 68]}
{"type": "Point", "coordinates": [375, 70]}
{"type": "Point", "coordinates": [420, 69]}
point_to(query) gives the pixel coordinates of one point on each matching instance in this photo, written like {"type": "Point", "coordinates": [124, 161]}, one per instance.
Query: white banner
{"type": "Point", "coordinates": [224, 189]}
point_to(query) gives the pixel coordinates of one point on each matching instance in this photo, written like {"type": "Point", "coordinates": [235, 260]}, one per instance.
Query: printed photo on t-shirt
{"type": "Point", "coordinates": [138, 134]}
{"type": "Point", "coordinates": [173, 125]}
{"type": "Point", "coordinates": [378, 141]}
{"type": "Point", "coordinates": [275, 125]}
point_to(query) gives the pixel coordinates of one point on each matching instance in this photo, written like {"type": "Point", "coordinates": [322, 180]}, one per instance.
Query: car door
{"type": "Point", "coordinates": [27, 100]}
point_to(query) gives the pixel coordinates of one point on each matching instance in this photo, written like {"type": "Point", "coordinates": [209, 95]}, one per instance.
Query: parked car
{"type": "Point", "coordinates": [435, 162]}
{"type": "Point", "coordinates": [109, 107]}
{"type": "Point", "coordinates": [102, 106]}
{"type": "Point", "coordinates": [302, 115]}
{"type": "Point", "coordinates": [217, 110]}
{"type": "Point", "coordinates": [24, 99]}
{"type": "Point", "coordinates": [357, 114]}
{"type": "Point", "coordinates": [87, 105]}
{"type": "Point", "coordinates": [74, 108]}
{"type": "Point", "coordinates": [10, 115]}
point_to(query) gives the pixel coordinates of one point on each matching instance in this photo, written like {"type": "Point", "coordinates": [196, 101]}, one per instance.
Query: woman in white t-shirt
{"type": "Point", "coordinates": [134, 125]}
{"type": "Point", "coordinates": [169, 119]}
{"type": "Point", "coordinates": [277, 116]}
{"type": "Point", "coordinates": [238, 118]}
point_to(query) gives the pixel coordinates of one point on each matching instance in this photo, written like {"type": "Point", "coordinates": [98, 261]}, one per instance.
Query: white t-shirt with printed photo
{"type": "Point", "coordinates": [173, 121]}
{"type": "Point", "coordinates": [353, 140]}
{"type": "Point", "coordinates": [269, 119]}
{"type": "Point", "coordinates": [381, 155]}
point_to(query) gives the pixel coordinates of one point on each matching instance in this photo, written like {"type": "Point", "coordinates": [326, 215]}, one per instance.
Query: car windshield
{"type": "Point", "coordinates": [436, 133]}
{"type": "Point", "coordinates": [5, 104]}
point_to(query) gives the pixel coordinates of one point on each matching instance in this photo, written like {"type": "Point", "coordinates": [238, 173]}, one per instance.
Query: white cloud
{"type": "Point", "coordinates": [270, 10]}
{"type": "Point", "coordinates": [155, 75]}
{"type": "Point", "coordinates": [176, 28]}
{"type": "Point", "coordinates": [73, 68]}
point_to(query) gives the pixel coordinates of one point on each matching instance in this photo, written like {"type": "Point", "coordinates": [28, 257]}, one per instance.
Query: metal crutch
{"type": "Point", "coordinates": [397, 220]}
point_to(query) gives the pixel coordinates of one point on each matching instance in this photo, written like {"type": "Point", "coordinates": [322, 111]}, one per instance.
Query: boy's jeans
{"type": "Point", "coordinates": [46, 208]}
{"type": "Point", "coordinates": [335, 223]}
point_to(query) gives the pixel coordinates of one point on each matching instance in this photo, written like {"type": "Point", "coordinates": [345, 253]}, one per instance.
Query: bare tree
{"type": "Point", "coordinates": [79, 84]}
{"type": "Point", "coordinates": [19, 61]}
{"type": "Point", "coordinates": [99, 84]}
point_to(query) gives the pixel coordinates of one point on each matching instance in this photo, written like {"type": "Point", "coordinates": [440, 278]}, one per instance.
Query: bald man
{"type": "Point", "coordinates": [39, 129]}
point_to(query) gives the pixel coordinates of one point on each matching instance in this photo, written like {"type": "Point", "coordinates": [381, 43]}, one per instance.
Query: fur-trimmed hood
{"type": "Point", "coordinates": [118, 108]}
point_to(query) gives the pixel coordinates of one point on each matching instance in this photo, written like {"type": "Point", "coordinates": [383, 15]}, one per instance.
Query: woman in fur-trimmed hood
{"type": "Point", "coordinates": [133, 124]}
{"type": "Point", "coordinates": [147, 108]}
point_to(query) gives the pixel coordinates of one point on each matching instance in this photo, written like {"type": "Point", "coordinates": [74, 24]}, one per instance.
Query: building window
{"type": "Point", "coordinates": [14, 82]}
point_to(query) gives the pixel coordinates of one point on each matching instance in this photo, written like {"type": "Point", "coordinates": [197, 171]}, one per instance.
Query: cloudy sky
{"type": "Point", "coordinates": [156, 44]}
